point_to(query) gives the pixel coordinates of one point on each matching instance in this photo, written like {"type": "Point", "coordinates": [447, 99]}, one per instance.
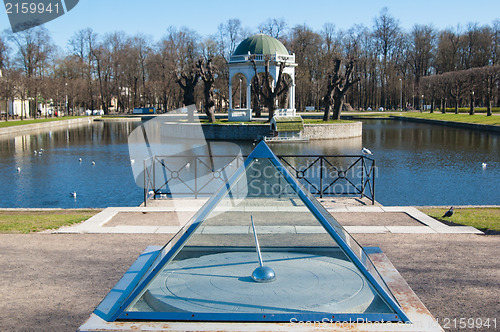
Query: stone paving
{"type": "Point", "coordinates": [169, 216]}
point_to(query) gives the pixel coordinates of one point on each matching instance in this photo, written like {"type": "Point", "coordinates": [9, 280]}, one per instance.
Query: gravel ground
{"type": "Point", "coordinates": [53, 282]}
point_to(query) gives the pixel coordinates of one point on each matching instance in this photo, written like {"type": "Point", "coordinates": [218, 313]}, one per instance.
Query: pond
{"type": "Point", "coordinates": [417, 164]}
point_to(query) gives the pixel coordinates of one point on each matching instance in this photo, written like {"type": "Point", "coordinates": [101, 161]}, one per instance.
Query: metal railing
{"type": "Point", "coordinates": [203, 175]}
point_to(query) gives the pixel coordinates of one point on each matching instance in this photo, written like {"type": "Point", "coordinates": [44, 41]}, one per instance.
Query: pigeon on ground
{"type": "Point", "coordinates": [448, 213]}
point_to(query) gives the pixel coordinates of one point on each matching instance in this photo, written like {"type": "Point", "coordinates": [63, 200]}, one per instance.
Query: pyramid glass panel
{"type": "Point", "coordinates": [262, 249]}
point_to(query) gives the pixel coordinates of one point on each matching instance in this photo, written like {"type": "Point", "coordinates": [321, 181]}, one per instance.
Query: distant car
{"type": "Point", "coordinates": [88, 112]}
{"type": "Point", "coordinates": [98, 112]}
{"type": "Point", "coordinates": [144, 110]}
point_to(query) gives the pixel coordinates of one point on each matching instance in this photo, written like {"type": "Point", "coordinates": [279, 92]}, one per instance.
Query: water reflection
{"type": "Point", "coordinates": [417, 164]}
{"type": "Point", "coordinates": [421, 164]}
{"type": "Point", "coordinates": [46, 180]}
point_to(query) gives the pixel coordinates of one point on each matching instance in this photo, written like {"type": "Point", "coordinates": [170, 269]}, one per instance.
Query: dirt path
{"type": "Point", "coordinates": [53, 282]}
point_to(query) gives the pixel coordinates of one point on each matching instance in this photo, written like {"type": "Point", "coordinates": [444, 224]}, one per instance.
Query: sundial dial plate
{"type": "Point", "coordinates": [221, 283]}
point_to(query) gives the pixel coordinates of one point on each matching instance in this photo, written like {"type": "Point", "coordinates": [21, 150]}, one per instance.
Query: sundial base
{"type": "Point", "coordinates": [222, 283]}
{"type": "Point", "coordinates": [414, 308]}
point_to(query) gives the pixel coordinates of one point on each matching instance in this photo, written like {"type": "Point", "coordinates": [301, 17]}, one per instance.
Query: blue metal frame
{"type": "Point", "coordinates": [115, 298]}
{"type": "Point", "coordinates": [261, 151]}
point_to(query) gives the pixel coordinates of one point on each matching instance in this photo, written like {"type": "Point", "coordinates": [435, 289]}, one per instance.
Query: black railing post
{"type": "Point", "coordinates": [374, 169]}
{"type": "Point", "coordinates": [195, 160]}
{"type": "Point", "coordinates": [154, 177]}
{"type": "Point", "coordinates": [320, 177]}
{"type": "Point", "coordinates": [362, 176]}
{"type": "Point", "coordinates": [145, 184]}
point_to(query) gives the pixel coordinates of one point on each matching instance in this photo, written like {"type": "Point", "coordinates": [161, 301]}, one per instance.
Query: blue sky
{"type": "Point", "coordinates": [153, 17]}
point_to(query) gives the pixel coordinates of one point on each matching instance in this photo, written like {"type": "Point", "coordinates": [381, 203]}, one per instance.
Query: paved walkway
{"type": "Point", "coordinates": [168, 217]}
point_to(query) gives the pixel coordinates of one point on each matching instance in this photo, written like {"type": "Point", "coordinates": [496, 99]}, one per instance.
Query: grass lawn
{"type": "Point", "coordinates": [476, 118]}
{"type": "Point", "coordinates": [12, 123]}
{"type": "Point", "coordinates": [24, 222]}
{"type": "Point", "coordinates": [481, 218]}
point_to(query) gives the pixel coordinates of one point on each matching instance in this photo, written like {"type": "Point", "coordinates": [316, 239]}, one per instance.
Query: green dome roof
{"type": "Point", "coordinates": [261, 44]}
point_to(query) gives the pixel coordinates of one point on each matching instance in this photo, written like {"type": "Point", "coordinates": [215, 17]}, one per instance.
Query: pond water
{"type": "Point", "coordinates": [417, 164]}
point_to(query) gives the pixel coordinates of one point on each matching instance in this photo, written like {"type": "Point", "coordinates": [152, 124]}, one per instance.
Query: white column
{"type": "Point", "coordinates": [230, 96]}
{"type": "Point", "coordinates": [249, 96]}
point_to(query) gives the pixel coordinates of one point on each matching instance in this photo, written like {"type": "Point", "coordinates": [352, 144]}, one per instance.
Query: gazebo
{"type": "Point", "coordinates": [258, 46]}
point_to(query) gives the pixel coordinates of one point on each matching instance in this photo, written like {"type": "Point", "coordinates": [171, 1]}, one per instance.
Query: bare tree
{"type": "Point", "coordinates": [34, 48]}
{"type": "Point", "coordinates": [488, 77]}
{"type": "Point", "coordinates": [475, 46]}
{"type": "Point", "coordinates": [228, 37]}
{"type": "Point", "coordinates": [421, 50]}
{"type": "Point", "coordinates": [182, 49]}
{"type": "Point", "coordinates": [308, 48]}
{"type": "Point", "coordinates": [207, 73]}
{"type": "Point", "coordinates": [457, 82]}
{"type": "Point", "coordinates": [329, 38]}
{"type": "Point", "coordinates": [267, 90]}
{"type": "Point", "coordinates": [447, 57]}
{"type": "Point", "coordinates": [275, 27]}
{"type": "Point", "coordinates": [495, 42]}
{"type": "Point", "coordinates": [338, 83]}
{"type": "Point", "coordinates": [386, 34]}
{"type": "Point", "coordinates": [103, 59]}
{"type": "Point", "coordinates": [82, 45]}
{"type": "Point", "coordinates": [3, 54]}
{"type": "Point", "coordinates": [5, 87]}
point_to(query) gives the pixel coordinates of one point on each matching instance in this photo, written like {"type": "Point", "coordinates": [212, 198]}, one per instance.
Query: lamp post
{"type": "Point", "coordinates": [401, 93]}
{"type": "Point", "coordinates": [240, 93]}
{"type": "Point", "coordinates": [66, 91]}
{"type": "Point", "coordinates": [471, 112]}
{"type": "Point", "coordinates": [422, 108]}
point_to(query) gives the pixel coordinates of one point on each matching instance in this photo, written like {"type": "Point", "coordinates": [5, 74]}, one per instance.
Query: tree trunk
{"type": "Point", "coordinates": [471, 108]}
{"type": "Point", "coordinates": [209, 102]}
{"type": "Point", "coordinates": [270, 108]}
{"type": "Point", "coordinates": [256, 104]}
{"type": "Point", "coordinates": [326, 114]}
{"type": "Point", "coordinates": [337, 107]}
{"type": "Point", "coordinates": [488, 98]}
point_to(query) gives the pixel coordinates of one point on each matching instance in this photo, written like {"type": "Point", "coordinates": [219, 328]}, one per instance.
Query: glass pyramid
{"type": "Point", "coordinates": [260, 220]}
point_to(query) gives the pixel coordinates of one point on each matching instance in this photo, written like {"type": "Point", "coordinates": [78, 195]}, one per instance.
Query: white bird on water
{"type": "Point", "coordinates": [19, 169]}
{"type": "Point", "coordinates": [484, 165]}
{"type": "Point", "coordinates": [93, 163]}
{"type": "Point", "coordinates": [366, 151]}
{"type": "Point", "coordinates": [80, 159]}
{"type": "Point", "coordinates": [73, 194]}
